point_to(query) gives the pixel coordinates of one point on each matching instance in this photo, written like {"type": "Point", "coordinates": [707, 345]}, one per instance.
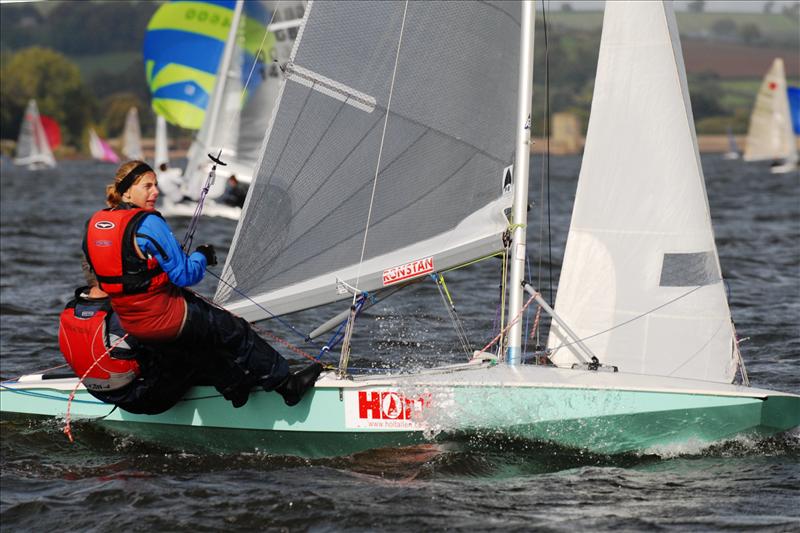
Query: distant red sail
{"type": "Point", "coordinates": [52, 130]}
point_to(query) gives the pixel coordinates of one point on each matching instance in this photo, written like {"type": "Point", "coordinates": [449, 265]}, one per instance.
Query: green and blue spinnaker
{"type": "Point", "coordinates": [182, 50]}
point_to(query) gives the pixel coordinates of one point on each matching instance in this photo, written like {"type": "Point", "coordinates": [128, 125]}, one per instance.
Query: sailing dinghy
{"type": "Point", "coordinates": [384, 162]}
{"type": "Point", "coordinates": [33, 148]}
{"type": "Point", "coordinates": [733, 152]}
{"type": "Point", "coordinates": [132, 136]}
{"type": "Point", "coordinates": [770, 135]}
{"type": "Point", "coordinates": [100, 149]}
{"type": "Point", "coordinates": [240, 105]}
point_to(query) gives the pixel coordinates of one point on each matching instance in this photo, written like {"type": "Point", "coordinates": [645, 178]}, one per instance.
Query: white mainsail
{"type": "Point", "coordinates": [770, 135]}
{"type": "Point", "coordinates": [33, 148]}
{"type": "Point", "coordinates": [132, 136]}
{"type": "Point", "coordinates": [162, 149]}
{"type": "Point", "coordinates": [642, 283]}
{"type": "Point", "coordinates": [439, 199]}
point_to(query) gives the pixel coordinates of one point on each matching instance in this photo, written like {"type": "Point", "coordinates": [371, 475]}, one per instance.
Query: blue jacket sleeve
{"type": "Point", "coordinates": [181, 269]}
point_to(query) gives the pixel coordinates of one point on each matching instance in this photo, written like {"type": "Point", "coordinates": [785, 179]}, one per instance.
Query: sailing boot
{"type": "Point", "coordinates": [297, 384]}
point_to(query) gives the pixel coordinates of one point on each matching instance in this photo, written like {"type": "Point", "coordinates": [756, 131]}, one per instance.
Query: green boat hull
{"type": "Point", "coordinates": [599, 413]}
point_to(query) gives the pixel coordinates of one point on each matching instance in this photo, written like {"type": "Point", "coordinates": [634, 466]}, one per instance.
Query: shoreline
{"type": "Point", "coordinates": [708, 144]}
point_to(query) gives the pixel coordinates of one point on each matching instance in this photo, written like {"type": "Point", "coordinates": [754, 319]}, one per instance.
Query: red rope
{"type": "Point", "coordinates": [535, 327]}
{"type": "Point", "coordinates": [67, 424]}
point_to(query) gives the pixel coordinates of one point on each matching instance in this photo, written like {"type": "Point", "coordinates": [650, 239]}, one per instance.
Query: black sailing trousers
{"type": "Point", "coordinates": [215, 348]}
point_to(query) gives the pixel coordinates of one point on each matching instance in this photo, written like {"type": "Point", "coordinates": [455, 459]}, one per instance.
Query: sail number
{"type": "Point", "coordinates": [201, 15]}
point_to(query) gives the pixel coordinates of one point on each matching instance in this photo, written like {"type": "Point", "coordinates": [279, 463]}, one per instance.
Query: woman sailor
{"type": "Point", "coordinates": [140, 264]}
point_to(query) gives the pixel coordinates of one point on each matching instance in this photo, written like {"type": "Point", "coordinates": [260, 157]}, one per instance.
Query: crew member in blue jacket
{"type": "Point", "coordinates": [139, 263]}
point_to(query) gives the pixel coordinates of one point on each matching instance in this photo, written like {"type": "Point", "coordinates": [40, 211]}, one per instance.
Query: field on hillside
{"type": "Point", "coordinates": [729, 60]}
{"type": "Point", "coordinates": [689, 23]}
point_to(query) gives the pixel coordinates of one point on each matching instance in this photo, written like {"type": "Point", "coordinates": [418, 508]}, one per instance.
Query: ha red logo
{"type": "Point", "coordinates": [385, 410]}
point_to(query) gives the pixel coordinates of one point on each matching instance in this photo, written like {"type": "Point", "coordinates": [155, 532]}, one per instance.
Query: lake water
{"type": "Point", "coordinates": [105, 481]}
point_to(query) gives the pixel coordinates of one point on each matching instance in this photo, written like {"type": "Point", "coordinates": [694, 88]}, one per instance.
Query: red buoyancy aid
{"type": "Point", "coordinates": [85, 342]}
{"type": "Point", "coordinates": [109, 248]}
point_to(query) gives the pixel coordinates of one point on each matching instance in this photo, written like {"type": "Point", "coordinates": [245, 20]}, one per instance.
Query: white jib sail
{"type": "Point", "coordinates": [641, 280]}
{"type": "Point", "coordinates": [33, 148]}
{"type": "Point", "coordinates": [439, 197]}
{"type": "Point", "coordinates": [132, 136]}
{"type": "Point", "coordinates": [770, 135]}
{"type": "Point", "coordinates": [162, 148]}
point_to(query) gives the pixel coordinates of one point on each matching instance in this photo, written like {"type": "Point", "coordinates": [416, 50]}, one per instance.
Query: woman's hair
{"type": "Point", "coordinates": [113, 196]}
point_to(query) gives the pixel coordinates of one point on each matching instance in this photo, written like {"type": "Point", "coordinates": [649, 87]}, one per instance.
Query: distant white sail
{"type": "Point", "coordinates": [642, 284]}
{"type": "Point", "coordinates": [770, 136]}
{"type": "Point", "coordinates": [439, 200]}
{"type": "Point", "coordinates": [33, 148]}
{"type": "Point", "coordinates": [132, 136]}
{"type": "Point", "coordinates": [162, 148]}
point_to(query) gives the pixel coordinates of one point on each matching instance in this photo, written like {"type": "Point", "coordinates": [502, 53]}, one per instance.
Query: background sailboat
{"type": "Point", "coordinates": [770, 135]}
{"type": "Point", "coordinates": [238, 108]}
{"type": "Point", "coordinates": [33, 148]}
{"type": "Point", "coordinates": [733, 148]}
{"type": "Point", "coordinates": [161, 156]}
{"type": "Point", "coordinates": [132, 136]}
{"type": "Point", "coordinates": [395, 185]}
{"type": "Point", "coordinates": [100, 149]}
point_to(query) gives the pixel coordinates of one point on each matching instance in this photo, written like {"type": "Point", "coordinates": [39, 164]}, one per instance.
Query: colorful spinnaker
{"type": "Point", "coordinates": [182, 50]}
{"type": "Point", "coordinates": [52, 130]}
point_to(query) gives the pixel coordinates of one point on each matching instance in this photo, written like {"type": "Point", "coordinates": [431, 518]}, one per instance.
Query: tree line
{"type": "Point", "coordinates": [40, 44]}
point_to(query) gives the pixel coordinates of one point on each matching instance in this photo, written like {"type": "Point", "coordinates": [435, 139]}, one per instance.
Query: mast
{"type": "Point", "coordinates": [222, 78]}
{"type": "Point", "coordinates": [520, 207]}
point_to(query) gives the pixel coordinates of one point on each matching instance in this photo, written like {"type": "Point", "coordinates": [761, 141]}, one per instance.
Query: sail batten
{"type": "Point", "coordinates": [642, 285]}
{"type": "Point", "coordinates": [448, 141]}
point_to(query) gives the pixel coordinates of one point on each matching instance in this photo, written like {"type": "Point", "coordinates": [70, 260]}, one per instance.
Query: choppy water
{"type": "Point", "coordinates": [483, 482]}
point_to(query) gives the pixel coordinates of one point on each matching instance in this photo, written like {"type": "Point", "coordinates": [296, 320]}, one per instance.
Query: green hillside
{"type": "Point", "coordinates": [726, 55]}
{"type": "Point", "coordinates": [775, 28]}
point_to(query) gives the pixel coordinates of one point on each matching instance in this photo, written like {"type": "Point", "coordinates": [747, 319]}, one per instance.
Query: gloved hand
{"type": "Point", "coordinates": [209, 253]}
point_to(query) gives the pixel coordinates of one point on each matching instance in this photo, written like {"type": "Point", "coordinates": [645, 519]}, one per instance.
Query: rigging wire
{"type": "Point", "coordinates": [626, 322]}
{"type": "Point", "coordinates": [458, 325]}
{"type": "Point", "coordinates": [547, 152]}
